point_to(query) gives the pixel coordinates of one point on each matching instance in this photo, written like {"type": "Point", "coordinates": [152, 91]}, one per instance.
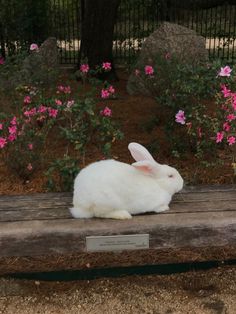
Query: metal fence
{"type": "Point", "coordinates": [136, 19]}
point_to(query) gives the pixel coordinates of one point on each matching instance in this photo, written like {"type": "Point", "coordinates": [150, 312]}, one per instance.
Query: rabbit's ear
{"type": "Point", "coordinates": [139, 152]}
{"type": "Point", "coordinates": [146, 166]}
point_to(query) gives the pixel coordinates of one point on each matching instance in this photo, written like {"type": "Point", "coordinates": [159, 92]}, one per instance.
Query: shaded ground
{"type": "Point", "coordinates": [202, 292]}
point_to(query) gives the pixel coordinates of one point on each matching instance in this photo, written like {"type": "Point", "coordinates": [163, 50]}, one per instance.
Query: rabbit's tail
{"type": "Point", "coordinates": [78, 212]}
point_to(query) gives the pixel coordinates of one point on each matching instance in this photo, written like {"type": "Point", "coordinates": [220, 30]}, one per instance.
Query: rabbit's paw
{"type": "Point", "coordinates": [118, 214]}
{"type": "Point", "coordinates": [162, 208]}
{"type": "Point", "coordinates": [80, 213]}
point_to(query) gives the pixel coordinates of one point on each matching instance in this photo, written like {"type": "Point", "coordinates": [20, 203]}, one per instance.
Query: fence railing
{"type": "Point", "coordinates": [136, 19]}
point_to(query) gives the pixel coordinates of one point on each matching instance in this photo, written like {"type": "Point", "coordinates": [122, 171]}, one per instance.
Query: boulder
{"type": "Point", "coordinates": [173, 39]}
{"type": "Point", "coordinates": [41, 65]}
{"type": "Point", "coordinates": [49, 52]}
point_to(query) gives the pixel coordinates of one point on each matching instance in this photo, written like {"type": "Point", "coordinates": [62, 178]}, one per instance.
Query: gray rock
{"type": "Point", "coordinates": [48, 51]}
{"type": "Point", "coordinates": [45, 58]}
{"type": "Point", "coordinates": [182, 43]}
{"type": "Point", "coordinates": [38, 68]}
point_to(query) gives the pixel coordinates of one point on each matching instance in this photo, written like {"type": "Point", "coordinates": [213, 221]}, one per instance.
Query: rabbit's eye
{"type": "Point", "coordinates": [170, 175]}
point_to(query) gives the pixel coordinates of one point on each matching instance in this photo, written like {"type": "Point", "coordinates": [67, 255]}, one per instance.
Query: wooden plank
{"type": "Point", "coordinates": [55, 205]}
{"type": "Point", "coordinates": [176, 203]}
{"type": "Point", "coordinates": [63, 201]}
{"type": "Point", "coordinates": [35, 214]}
{"type": "Point", "coordinates": [41, 199]}
{"type": "Point", "coordinates": [29, 202]}
{"type": "Point", "coordinates": [190, 192]}
{"type": "Point", "coordinates": [209, 188]}
{"type": "Point", "coordinates": [169, 231]}
{"type": "Point", "coordinates": [62, 211]}
{"type": "Point", "coordinates": [202, 196]}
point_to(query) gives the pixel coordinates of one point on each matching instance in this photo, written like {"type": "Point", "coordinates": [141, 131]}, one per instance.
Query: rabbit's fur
{"type": "Point", "coordinates": [113, 189]}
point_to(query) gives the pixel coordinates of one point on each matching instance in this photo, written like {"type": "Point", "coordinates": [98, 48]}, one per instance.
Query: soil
{"type": "Point", "coordinates": [134, 113]}
{"type": "Point", "coordinates": [197, 292]}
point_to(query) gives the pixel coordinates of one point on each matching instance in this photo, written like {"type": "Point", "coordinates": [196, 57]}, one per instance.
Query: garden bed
{"type": "Point", "coordinates": [133, 113]}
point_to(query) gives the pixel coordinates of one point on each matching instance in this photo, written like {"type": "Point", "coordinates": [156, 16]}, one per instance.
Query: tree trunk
{"type": "Point", "coordinates": [2, 43]}
{"type": "Point", "coordinates": [97, 26]}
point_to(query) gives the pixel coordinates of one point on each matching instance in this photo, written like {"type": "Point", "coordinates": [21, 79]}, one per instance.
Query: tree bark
{"type": "Point", "coordinates": [97, 27]}
{"type": "Point", "coordinates": [2, 43]}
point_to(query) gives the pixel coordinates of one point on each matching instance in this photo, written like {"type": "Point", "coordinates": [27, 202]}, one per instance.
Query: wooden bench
{"type": "Point", "coordinates": [37, 232]}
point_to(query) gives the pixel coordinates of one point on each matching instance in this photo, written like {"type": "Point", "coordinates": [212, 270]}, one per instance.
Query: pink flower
{"type": "Point", "coordinates": [58, 102]}
{"type": "Point", "coordinates": [52, 112]}
{"type": "Point", "coordinates": [63, 89]}
{"type": "Point", "coordinates": [180, 117]}
{"type": "Point", "coordinates": [226, 92]}
{"type": "Point", "coordinates": [34, 47]}
{"type": "Point", "coordinates": [13, 121]}
{"type": "Point", "coordinates": [42, 109]}
{"type": "Point", "coordinates": [11, 137]}
{"type": "Point", "coordinates": [70, 103]}
{"type": "Point", "coordinates": [26, 113]}
{"type": "Point", "coordinates": [67, 90]}
{"type": "Point", "coordinates": [2, 61]}
{"type": "Point", "coordinates": [3, 142]}
{"type": "Point", "coordinates": [105, 93]}
{"type": "Point", "coordinates": [234, 105]}
{"type": "Point", "coordinates": [219, 137]}
{"type": "Point", "coordinates": [136, 72]}
{"type": "Point", "coordinates": [1, 126]}
{"type": "Point", "coordinates": [31, 112]}
{"type": "Point", "coordinates": [27, 100]}
{"type": "Point", "coordinates": [226, 127]}
{"type": "Point", "coordinates": [225, 71]}
{"type": "Point", "coordinates": [106, 66]}
{"type": "Point", "coordinates": [149, 70]}
{"type": "Point", "coordinates": [231, 140]}
{"type": "Point", "coordinates": [167, 56]}
{"type": "Point", "coordinates": [231, 117]}
{"type": "Point", "coordinates": [111, 89]}
{"type": "Point", "coordinates": [84, 68]}
{"type": "Point", "coordinates": [29, 167]}
{"type": "Point", "coordinates": [106, 112]}
{"type": "Point", "coordinates": [30, 146]}
{"type": "Point", "coordinates": [60, 88]}
{"type": "Point", "coordinates": [12, 129]}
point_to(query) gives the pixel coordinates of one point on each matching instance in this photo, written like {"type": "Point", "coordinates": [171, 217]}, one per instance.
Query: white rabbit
{"type": "Point", "coordinates": [112, 189]}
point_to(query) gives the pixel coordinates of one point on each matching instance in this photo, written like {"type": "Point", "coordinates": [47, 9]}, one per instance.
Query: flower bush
{"type": "Point", "coordinates": [77, 120]}
{"type": "Point", "coordinates": [214, 130]}
{"type": "Point", "coordinates": [172, 82]}
{"type": "Point", "coordinates": [199, 104]}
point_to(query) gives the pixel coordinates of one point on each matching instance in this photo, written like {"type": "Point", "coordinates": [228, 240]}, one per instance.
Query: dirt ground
{"type": "Point", "coordinates": [199, 292]}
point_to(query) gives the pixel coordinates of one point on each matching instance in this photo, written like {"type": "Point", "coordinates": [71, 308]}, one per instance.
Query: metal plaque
{"type": "Point", "coordinates": [117, 242]}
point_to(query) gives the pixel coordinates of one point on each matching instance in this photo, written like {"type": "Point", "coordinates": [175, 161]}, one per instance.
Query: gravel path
{"type": "Point", "coordinates": [212, 291]}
